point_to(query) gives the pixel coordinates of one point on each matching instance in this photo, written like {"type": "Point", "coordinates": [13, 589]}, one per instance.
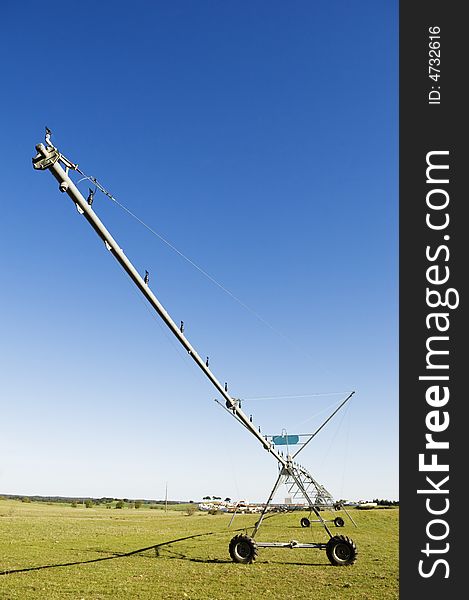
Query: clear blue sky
{"type": "Point", "coordinates": [260, 138]}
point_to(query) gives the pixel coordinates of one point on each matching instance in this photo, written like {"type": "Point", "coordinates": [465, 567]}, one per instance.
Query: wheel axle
{"type": "Point", "coordinates": [340, 549]}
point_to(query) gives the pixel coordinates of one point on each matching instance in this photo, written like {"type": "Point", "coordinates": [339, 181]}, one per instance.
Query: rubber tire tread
{"type": "Point", "coordinates": [232, 549]}
{"type": "Point", "coordinates": [341, 539]}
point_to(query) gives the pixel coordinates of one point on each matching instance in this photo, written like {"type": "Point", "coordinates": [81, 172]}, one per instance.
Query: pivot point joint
{"type": "Point", "coordinates": [45, 157]}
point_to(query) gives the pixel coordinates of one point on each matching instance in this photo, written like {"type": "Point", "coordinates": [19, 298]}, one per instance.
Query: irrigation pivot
{"type": "Point", "coordinates": [340, 550]}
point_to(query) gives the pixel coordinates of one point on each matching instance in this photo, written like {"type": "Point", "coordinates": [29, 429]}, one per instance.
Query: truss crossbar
{"type": "Point", "coordinates": [301, 484]}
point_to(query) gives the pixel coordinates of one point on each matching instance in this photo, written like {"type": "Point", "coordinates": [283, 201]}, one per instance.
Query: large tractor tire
{"type": "Point", "coordinates": [243, 549]}
{"type": "Point", "coordinates": [341, 551]}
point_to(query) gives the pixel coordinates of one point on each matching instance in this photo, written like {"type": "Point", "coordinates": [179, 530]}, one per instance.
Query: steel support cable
{"type": "Point", "coordinates": [316, 414]}
{"type": "Point", "coordinates": [314, 394]}
{"type": "Point", "coordinates": [346, 453]}
{"type": "Point", "coordinates": [313, 416]}
{"type": "Point", "coordinates": [333, 438]}
{"type": "Point", "coordinates": [110, 196]}
{"type": "Point", "coordinates": [191, 262]}
{"type": "Point", "coordinates": [215, 282]}
{"type": "Point", "coordinates": [325, 423]}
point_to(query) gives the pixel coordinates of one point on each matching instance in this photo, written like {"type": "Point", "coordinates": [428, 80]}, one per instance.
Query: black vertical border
{"type": "Point", "coordinates": [423, 128]}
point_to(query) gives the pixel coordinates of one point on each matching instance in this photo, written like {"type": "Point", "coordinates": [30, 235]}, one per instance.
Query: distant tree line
{"type": "Point", "coordinates": [87, 500]}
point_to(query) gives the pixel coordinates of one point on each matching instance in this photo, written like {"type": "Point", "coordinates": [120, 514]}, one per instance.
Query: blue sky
{"type": "Point", "coordinates": [261, 140]}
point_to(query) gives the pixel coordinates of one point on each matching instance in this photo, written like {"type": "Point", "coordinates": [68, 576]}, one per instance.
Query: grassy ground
{"type": "Point", "coordinates": [49, 536]}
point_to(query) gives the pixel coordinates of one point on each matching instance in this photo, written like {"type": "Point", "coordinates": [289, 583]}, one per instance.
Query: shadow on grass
{"type": "Point", "coordinates": [156, 548]}
{"type": "Point", "coordinates": [113, 556]}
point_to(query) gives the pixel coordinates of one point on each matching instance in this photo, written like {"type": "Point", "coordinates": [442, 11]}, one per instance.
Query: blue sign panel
{"type": "Point", "coordinates": [285, 440]}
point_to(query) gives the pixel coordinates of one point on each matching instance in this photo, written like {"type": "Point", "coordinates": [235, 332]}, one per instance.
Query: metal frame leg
{"type": "Point", "coordinates": [272, 493]}
{"type": "Point", "coordinates": [349, 515]}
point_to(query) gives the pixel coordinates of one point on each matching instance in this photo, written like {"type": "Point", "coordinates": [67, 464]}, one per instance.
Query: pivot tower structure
{"type": "Point", "coordinates": [340, 550]}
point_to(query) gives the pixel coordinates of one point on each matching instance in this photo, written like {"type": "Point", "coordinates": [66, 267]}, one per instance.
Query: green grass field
{"type": "Point", "coordinates": [50, 535]}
